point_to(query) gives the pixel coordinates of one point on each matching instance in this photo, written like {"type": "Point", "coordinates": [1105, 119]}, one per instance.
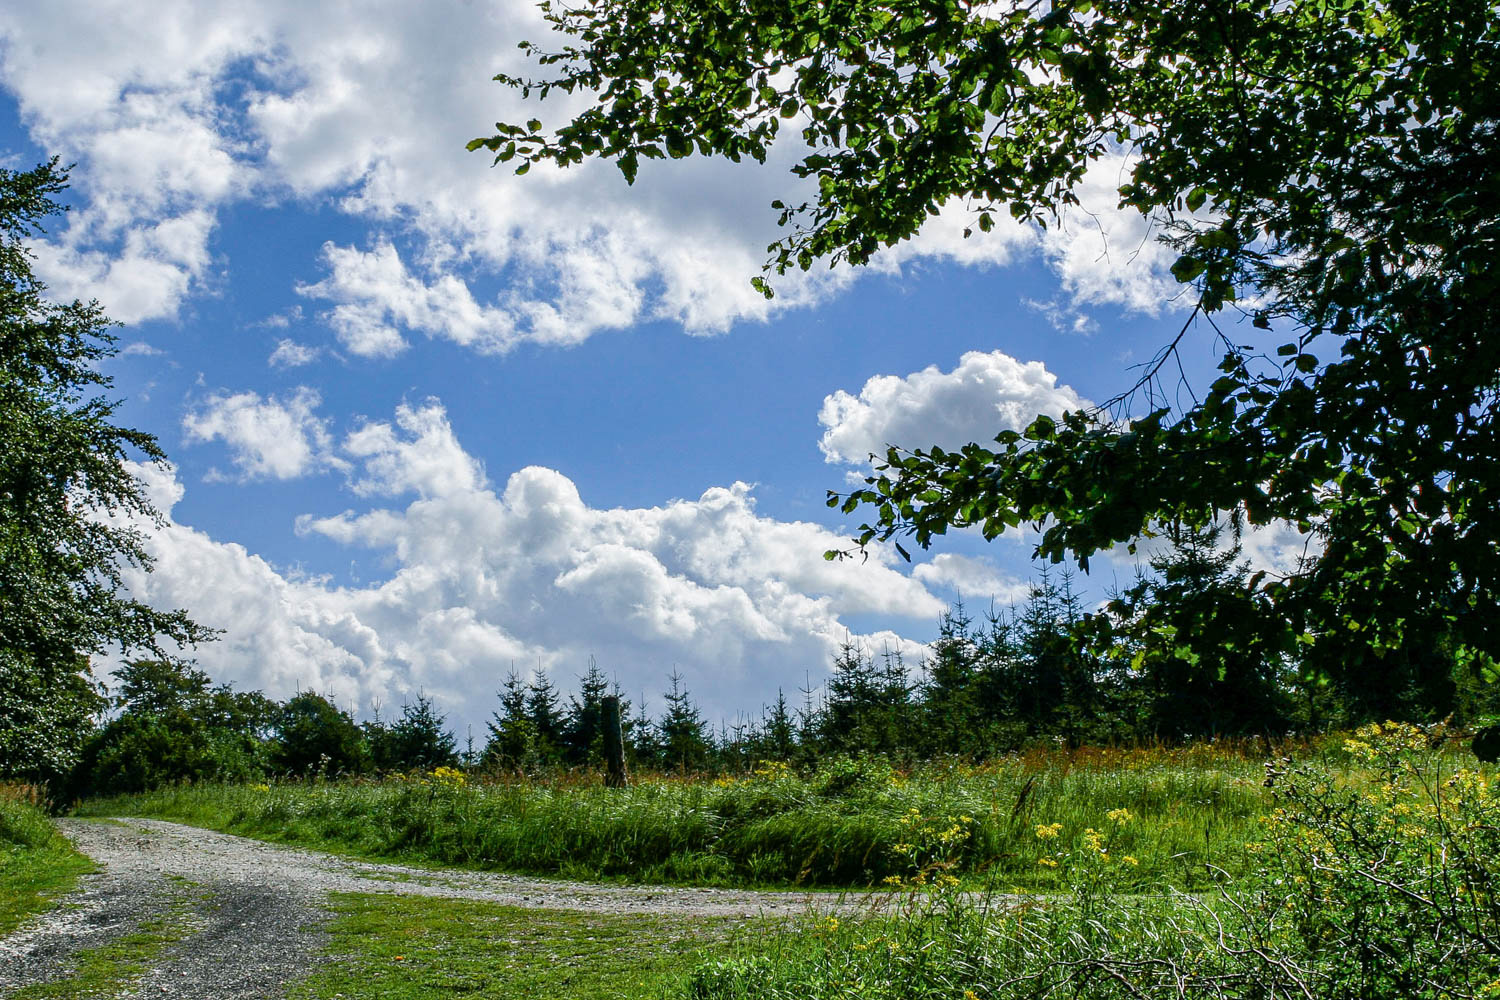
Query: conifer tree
{"type": "Point", "coordinates": [512, 737]}
{"type": "Point", "coordinates": [949, 713]}
{"type": "Point", "coordinates": [583, 725]}
{"type": "Point", "coordinates": [543, 708]}
{"type": "Point", "coordinates": [1189, 628]}
{"type": "Point", "coordinates": [684, 734]}
{"type": "Point", "coordinates": [778, 734]}
{"type": "Point", "coordinates": [420, 738]}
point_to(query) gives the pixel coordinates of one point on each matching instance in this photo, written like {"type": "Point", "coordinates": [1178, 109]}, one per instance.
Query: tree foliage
{"type": "Point", "coordinates": [1324, 169]}
{"type": "Point", "coordinates": [314, 737]}
{"type": "Point", "coordinates": [68, 499]}
{"type": "Point", "coordinates": [171, 725]}
{"type": "Point", "coordinates": [420, 738]}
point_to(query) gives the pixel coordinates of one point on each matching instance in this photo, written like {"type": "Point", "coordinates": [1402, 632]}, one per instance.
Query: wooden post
{"type": "Point", "coordinates": [614, 745]}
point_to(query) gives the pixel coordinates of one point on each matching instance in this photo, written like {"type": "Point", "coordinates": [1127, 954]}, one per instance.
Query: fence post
{"type": "Point", "coordinates": [614, 745]}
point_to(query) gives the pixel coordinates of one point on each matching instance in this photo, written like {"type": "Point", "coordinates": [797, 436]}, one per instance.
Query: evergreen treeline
{"type": "Point", "coordinates": [1048, 670]}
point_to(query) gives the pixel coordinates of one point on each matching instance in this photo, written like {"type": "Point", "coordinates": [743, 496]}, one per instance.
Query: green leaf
{"type": "Point", "coordinates": [1187, 268]}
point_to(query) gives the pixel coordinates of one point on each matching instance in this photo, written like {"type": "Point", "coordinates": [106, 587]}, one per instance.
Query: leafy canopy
{"type": "Point", "coordinates": [1325, 169]}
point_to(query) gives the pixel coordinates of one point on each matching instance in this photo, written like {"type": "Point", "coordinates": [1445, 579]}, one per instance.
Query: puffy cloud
{"type": "Point", "coordinates": [1108, 255]}
{"type": "Point", "coordinates": [377, 297]}
{"type": "Point", "coordinates": [483, 581]}
{"type": "Point", "coordinates": [140, 348]}
{"type": "Point", "coordinates": [425, 457]}
{"type": "Point", "coordinates": [972, 578]}
{"type": "Point", "coordinates": [1278, 547]}
{"type": "Point", "coordinates": [268, 438]}
{"type": "Point", "coordinates": [369, 110]}
{"type": "Point", "coordinates": [985, 394]}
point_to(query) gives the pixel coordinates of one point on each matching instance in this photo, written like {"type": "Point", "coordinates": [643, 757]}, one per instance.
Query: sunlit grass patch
{"type": "Point", "coordinates": [393, 948]}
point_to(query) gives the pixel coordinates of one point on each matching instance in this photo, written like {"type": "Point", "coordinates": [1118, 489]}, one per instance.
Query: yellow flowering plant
{"type": "Point", "coordinates": [932, 845]}
{"type": "Point", "coordinates": [1388, 876]}
{"type": "Point", "coordinates": [445, 777]}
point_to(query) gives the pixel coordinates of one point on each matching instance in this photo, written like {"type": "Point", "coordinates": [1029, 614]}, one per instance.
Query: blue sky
{"type": "Point", "coordinates": [427, 419]}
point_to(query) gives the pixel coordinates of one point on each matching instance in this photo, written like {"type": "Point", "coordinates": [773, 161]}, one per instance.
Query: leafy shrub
{"type": "Point", "coordinates": [313, 736]}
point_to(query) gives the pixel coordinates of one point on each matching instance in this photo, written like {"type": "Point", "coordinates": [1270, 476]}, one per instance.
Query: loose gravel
{"type": "Point", "coordinates": [258, 909]}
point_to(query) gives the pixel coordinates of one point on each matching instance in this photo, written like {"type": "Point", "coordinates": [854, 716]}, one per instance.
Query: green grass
{"type": "Point", "coordinates": [110, 968]}
{"type": "Point", "coordinates": [37, 866]}
{"type": "Point", "coordinates": [394, 948]}
{"type": "Point", "coordinates": [843, 826]}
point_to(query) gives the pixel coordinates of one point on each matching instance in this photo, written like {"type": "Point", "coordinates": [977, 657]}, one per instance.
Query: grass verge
{"type": "Point", "coordinates": [404, 948]}
{"type": "Point", "coordinates": [37, 866]}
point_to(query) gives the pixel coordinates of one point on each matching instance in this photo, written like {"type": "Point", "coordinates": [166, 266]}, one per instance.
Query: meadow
{"type": "Point", "coordinates": [850, 823]}
{"type": "Point", "coordinates": [1372, 881]}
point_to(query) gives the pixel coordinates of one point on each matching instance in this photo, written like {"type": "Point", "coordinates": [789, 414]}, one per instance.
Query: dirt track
{"type": "Point", "coordinates": [254, 911]}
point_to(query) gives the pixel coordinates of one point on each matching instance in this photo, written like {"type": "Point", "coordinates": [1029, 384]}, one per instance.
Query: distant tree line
{"type": "Point", "coordinates": [1047, 670]}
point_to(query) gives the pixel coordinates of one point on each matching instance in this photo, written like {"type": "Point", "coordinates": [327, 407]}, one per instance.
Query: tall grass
{"type": "Point", "coordinates": [850, 823]}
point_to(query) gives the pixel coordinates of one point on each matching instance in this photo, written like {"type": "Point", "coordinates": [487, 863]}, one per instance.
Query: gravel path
{"type": "Point", "coordinates": [254, 910]}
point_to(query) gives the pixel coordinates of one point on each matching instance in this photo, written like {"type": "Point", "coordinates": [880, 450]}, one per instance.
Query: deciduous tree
{"type": "Point", "coordinates": [1324, 169]}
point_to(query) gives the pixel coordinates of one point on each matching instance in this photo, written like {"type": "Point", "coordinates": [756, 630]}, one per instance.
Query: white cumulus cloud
{"type": "Point", "coordinates": [985, 394]}
{"type": "Point", "coordinates": [268, 438]}
{"type": "Point", "coordinates": [290, 354]}
{"type": "Point", "coordinates": [419, 454]}
{"type": "Point", "coordinates": [531, 574]}
{"type": "Point", "coordinates": [975, 579]}
{"type": "Point", "coordinates": [178, 111]}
